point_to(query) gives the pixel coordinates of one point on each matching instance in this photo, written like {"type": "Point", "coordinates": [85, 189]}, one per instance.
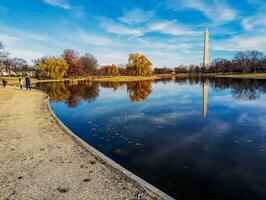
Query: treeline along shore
{"type": "Point", "coordinates": [73, 65]}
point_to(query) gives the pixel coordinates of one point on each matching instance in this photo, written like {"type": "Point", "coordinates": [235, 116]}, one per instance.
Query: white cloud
{"type": "Point", "coordinates": [120, 29]}
{"type": "Point", "coordinates": [165, 26]}
{"type": "Point", "coordinates": [241, 43]}
{"type": "Point", "coordinates": [136, 16]}
{"type": "Point", "coordinates": [256, 21]}
{"type": "Point", "coordinates": [28, 55]}
{"type": "Point", "coordinates": [94, 39]}
{"type": "Point", "coordinates": [215, 10]}
{"type": "Point", "coordinates": [170, 27]}
{"type": "Point", "coordinates": [59, 3]}
{"type": "Point", "coordinates": [8, 39]}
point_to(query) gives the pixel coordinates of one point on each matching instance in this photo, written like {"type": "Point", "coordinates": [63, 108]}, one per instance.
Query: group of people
{"type": "Point", "coordinates": [27, 81]}
{"type": "Point", "coordinates": [20, 83]}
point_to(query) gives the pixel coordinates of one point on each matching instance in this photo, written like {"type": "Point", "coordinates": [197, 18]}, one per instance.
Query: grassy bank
{"type": "Point", "coordinates": [248, 76]}
{"type": "Point", "coordinates": [123, 78]}
{"type": "Point", "coordinates": [14, 80]}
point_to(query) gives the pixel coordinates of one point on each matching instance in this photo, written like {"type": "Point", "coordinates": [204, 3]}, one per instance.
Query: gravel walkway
{"type": "Point", "coordinates": [39, 160]}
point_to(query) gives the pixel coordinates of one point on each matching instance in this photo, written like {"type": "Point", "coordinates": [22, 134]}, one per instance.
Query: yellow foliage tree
{"type": "Point", "coordinates": [138, 65]}
{"type": "Point", "coordinates": [112, 70]}
{"type": "Point", "coordinates": [54, 67]}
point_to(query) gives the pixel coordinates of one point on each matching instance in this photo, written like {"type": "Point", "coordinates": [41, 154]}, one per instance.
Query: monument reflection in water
{"type": "Point", "coordinates": [193, 138]}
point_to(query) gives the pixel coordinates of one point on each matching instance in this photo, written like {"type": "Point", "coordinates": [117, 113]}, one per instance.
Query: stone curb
{"type": "Point", "coordinates": [106, 160]}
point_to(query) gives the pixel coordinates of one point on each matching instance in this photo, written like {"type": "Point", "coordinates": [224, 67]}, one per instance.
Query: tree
{"type": "Point", "coordinates": [138, 65]}
{"type": "Point", "coordinates": [256, 59]}
{"type": "Point", "coordinates": [241, 59]}
{"type": "Point", "coordinates": [72, 59]}
{"type": "Point", "coordinates": [163, 70]}
{"type": "Point", "coordinates": [180, 69]}
{"type": "Point", "coordinates": [19, 64]}
{"type": "Point", "coordinates": [53, 67]}
{"type": "Point", "coordinates": [111, 70]}
{"type": "Point", "coordinates": [3, 54]}
{"type": "Point", "coordinates": [89, 63]}
{"type": "Point", "coordinates": [5, 61]}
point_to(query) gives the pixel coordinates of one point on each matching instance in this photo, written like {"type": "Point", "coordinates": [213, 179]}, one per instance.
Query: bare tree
{"type": "Point", "coordinates": [89, 63]}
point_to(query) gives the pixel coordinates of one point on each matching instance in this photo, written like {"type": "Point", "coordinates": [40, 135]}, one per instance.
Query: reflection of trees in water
{"type": "Point", "coordinates": [56, 91]}
{"type": "Point", "coordinates": [248, 89]}
{"type": "Point", "coordinates": [71, 94]}
{"type": "Point", "coordinates": [139, 91]}
{"type": "Point", "coordinates": [82, 91]}
{"type": "Point", "coordinates": [113, 85]}
{"type": "Point", "coordinates": [163, 80]}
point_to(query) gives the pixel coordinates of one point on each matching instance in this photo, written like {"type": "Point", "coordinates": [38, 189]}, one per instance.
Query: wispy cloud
{"type": "Point", "coordinates": [217, 11]}
{"type": "Point", "coordinates": [256, 21]}
{"type": "Point", "coordinates": [120, 29]}
{"type": "Point", "coordinates": [159, 26]}
{"type": "Point", "coordinates": [94, 39]}
{"type": "Point", "coordinates": [59, 3]}
{"type": "Point", "coordinates": [136, 16]}
{"type": "Point", "coordinates": [170, 27]}
{"type": "Point", "coordinates": [241, 43]}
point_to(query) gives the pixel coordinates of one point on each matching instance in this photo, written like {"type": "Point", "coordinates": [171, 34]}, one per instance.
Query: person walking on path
{"type": "Point", "coordinates": [4, 81]}
{"type": "Point", "coordinates": [20, 83]}
{"type": "Point", "coordinates": [27, 80]}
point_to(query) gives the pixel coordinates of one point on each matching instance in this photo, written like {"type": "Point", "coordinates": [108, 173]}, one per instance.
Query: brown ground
{"type": "Point", "coordinates": [39, 160]}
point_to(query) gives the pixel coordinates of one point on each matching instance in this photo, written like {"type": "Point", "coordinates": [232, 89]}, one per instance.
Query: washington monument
{"type": "Point", "coordinates": [206, 49]}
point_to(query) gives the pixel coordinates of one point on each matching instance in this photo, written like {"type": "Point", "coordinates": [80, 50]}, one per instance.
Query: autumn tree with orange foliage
{"type": "Point", "coordinates": [75, 65]}
{"type": "Point", "coordinates": [111, 70]}
{"type": "Point", "coordinates": [138, 65]}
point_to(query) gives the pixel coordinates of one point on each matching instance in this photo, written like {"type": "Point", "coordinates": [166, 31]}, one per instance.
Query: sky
{"type": "Point", "coordinates": [168, 32]}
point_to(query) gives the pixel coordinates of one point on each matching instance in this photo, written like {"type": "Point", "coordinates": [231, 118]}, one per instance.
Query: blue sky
{"type": "Point", "coordinates": [168, 32]}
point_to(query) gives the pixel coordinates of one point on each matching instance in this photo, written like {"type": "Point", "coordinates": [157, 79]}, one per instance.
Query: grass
{"type": "Point", "coordinates": [123, 78]}
{"type": "Point", "coordinates": [248, 76]}
{"type": "Point", "coordinates": [14, 80]}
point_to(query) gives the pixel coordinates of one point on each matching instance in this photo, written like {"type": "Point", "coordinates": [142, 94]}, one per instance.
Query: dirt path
{"type": "Point", "coordinates": [39, 160]}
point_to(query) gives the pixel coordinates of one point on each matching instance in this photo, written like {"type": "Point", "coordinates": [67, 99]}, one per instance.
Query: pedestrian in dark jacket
{"type": "Point", "coordinates": [27, 81]}
{"type": "Point", "coordinates": [4, 81]}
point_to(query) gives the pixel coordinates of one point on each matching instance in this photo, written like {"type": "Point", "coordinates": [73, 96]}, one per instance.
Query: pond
{"type": "Point", "coordinates": [193, 138]}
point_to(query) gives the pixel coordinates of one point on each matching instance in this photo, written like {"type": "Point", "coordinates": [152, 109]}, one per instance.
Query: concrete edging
{"type": "Point", "coordinates": [106, 160]}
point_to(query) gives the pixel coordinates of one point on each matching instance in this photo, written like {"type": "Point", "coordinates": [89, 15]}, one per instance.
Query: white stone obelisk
{"type": "Point", "coordinates": [206, 49]}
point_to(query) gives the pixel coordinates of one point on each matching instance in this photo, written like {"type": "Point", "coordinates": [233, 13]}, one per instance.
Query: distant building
{"type": "Point", "coordinates": [31, 73]}
{"type": "Point", "coordinates": [4, 71]}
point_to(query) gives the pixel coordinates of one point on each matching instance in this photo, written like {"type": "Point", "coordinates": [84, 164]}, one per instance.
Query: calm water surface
{"type": "Point", "coordinates": [191, 138]}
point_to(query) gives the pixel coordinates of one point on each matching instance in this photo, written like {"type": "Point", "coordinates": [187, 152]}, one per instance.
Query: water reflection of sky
{"type": "Point", "coordinates": [166, 140]}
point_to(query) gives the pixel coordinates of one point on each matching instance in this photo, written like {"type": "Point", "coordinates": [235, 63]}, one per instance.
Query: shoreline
{"type": "Point", "coordinates": [243, 76]}
{"type": "Point", "coordinates": [47, 133]}
{"type": "Point", "coordinates": [13, 81]}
